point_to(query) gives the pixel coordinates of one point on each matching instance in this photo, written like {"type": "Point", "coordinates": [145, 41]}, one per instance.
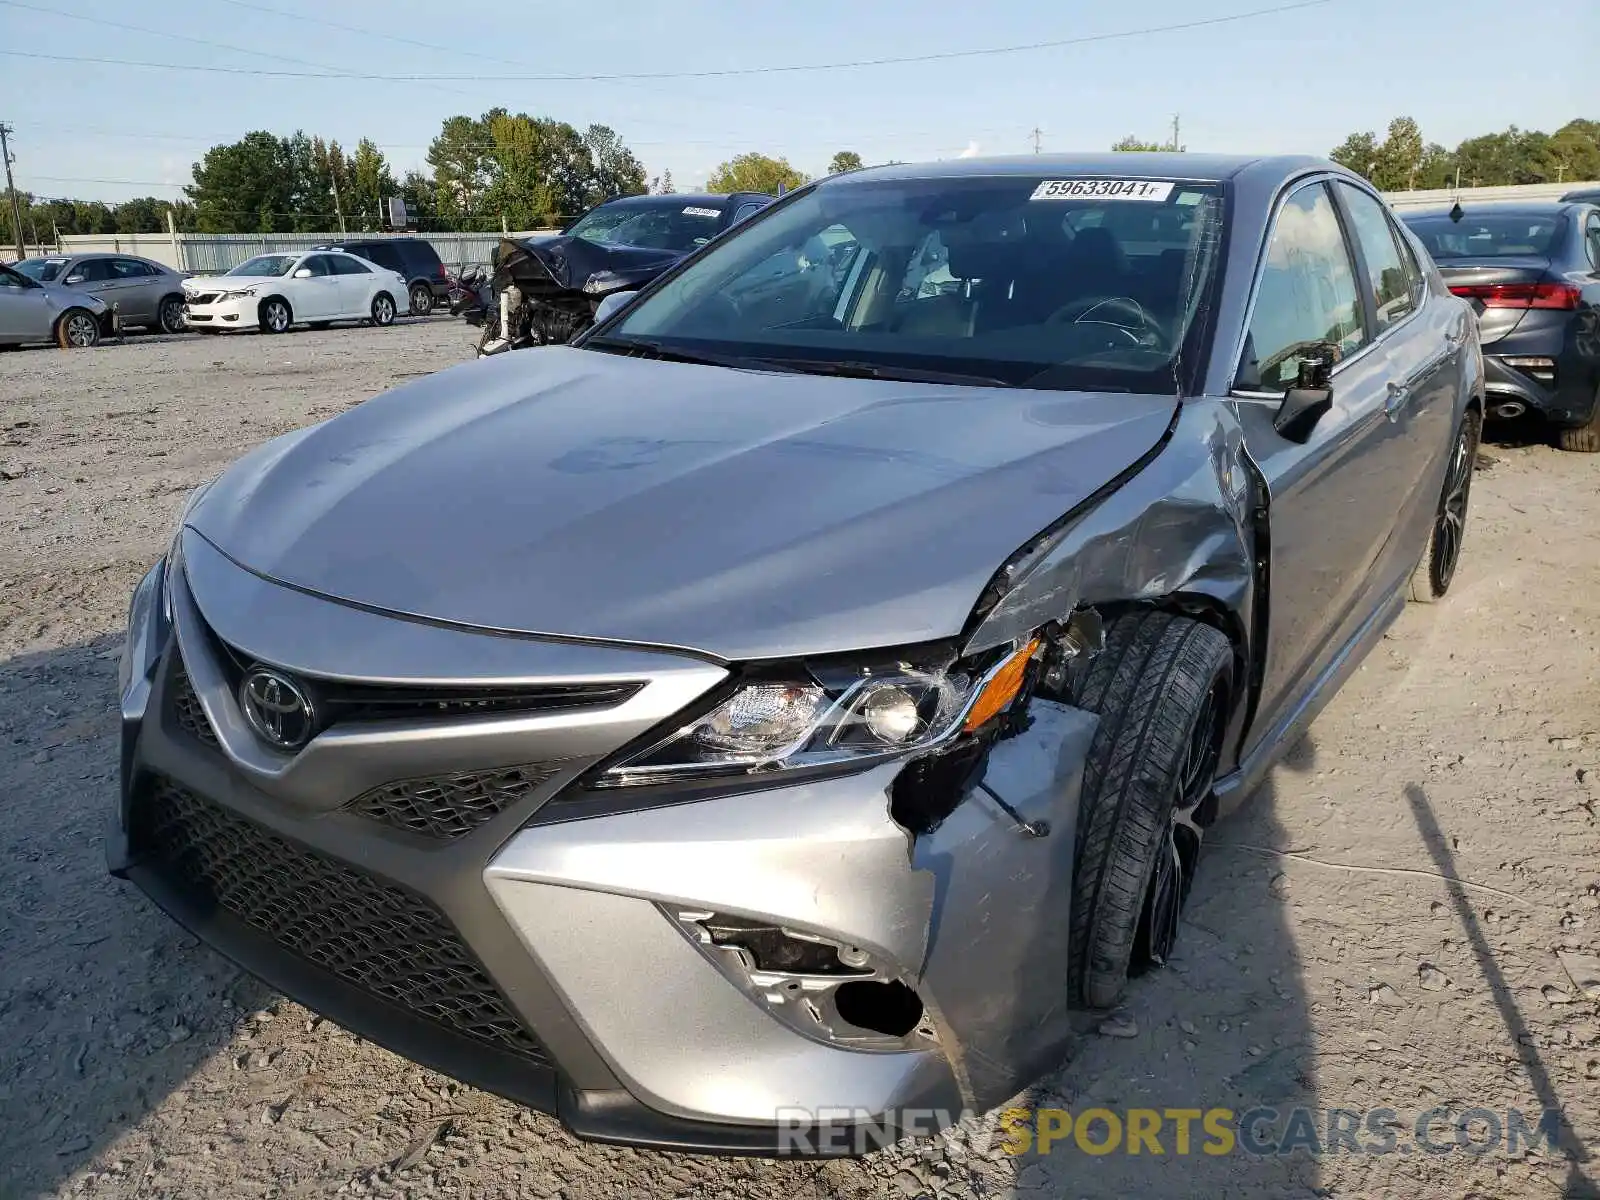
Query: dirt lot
{"type": "Point", "coordinates": [1379, 928]}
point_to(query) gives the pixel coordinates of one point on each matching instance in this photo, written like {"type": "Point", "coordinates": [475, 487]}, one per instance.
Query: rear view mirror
{"type": "Point", "coordinates": [303, 273]}
{"type": "Point", "coordinates": [611, 303]}
{"type": "Point", "coordinates": [1305, 403]}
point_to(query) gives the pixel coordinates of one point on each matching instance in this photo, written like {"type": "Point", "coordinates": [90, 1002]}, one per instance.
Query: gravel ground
{"type": "Point", "coordinates": [1378, 928]}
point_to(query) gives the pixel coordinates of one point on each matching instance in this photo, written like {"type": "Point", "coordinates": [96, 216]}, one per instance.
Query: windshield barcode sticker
{"type": "Point", "coordinates": [692, 211]}
{"type": "Point", "coordinates": [1101, 189]}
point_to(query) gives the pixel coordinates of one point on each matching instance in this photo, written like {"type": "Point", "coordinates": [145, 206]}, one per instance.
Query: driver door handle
{"type": "Point", "coordinates": [1395, 400]}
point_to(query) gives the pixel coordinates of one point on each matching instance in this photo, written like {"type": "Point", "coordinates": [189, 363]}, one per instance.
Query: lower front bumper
{"type": "Point", "coordinates": [574, 933]}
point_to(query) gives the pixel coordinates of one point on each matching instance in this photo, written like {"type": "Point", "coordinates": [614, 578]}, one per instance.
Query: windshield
{"type": "Point", "coordinates": [680, 226]}
{"type": "Point", "coordinates": [1018, 281]}
{"type": "Point", "coordinates": [266, 264]}
{"type": "Point", "coordinates": [41, 269]}
{"type": "Point", "coordinates": [1494, 236]}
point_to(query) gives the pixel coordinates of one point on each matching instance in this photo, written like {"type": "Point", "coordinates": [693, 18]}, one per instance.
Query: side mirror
{"type": "Point", "coordinates": [303, 273]}
{"type": "Point", "coordinates": [1305, 403]}
{"type": "Point", "coordinates": [71, 279]}
{"type": "Point", "coordinates": [611, 303]}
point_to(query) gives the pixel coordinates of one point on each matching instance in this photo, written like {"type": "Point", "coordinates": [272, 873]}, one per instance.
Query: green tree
{"type": "Point", "coordinates": [1399, 156]}
{"type": "Point", "coordinates": [845, 160]}
{"type": "Point", "coordinates": [616, 171]}
{"type": "Point", "coordinates": [421, 200]}
{"type": "Point", "coordinates": [462, 169]}
{"type": "Point", "coordinates": [249, 186]}
{"type": "Point", "coordinates": [371, 184]}
{"type": "Point", "coordinates": [1358, 153]}
{"type": "Point", "coordinates": [754, 172]}
{"type": "Point", "coordinates": [1132, 143]}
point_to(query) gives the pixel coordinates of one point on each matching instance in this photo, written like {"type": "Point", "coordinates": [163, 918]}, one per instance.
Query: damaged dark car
{"type": "Point", "coordinates": [546, 290]}
{"type": "Point", "coordinates": [766, 718]}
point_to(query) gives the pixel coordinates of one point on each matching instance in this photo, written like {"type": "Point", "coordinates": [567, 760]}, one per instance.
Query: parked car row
{"type": "Point", "coordinates": [852, 637]}
{"type": "Point", "coordinates": [73, 300]}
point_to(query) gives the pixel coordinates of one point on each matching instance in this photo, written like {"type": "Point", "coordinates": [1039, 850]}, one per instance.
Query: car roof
{"type": "Point", "coordinates": [1163, 164]}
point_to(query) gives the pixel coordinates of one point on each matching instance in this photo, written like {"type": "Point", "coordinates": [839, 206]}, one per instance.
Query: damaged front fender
{"type": "Point", "coordinates": [1181, 526]}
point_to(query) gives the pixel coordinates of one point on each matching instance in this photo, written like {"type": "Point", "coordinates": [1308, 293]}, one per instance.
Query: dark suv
{"type": "Point", "coordinates": [415, 258]}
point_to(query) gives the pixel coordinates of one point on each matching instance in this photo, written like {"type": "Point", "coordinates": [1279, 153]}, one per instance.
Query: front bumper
{"type": "Point", "coordinates": [554, 959]}
{"type": "Point", "coordinates": [222, 314]}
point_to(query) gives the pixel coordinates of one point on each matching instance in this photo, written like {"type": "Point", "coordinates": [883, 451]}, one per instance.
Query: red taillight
{"type": "Point", "coordinates": [443, 274]}
{"type": "Point", "coordinates": [1521, 295]}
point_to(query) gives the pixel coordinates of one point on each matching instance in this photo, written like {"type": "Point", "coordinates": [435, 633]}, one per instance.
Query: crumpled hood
{"type": "Point", "coordinates": [743, 514]}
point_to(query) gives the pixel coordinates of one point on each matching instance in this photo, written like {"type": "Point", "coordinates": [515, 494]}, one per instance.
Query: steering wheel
{"type": "Point", "coordinates": [1122, 313]}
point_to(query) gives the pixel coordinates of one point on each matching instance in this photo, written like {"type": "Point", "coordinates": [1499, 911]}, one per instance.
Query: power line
{"type": "Point", "coordinates": [723, 72]}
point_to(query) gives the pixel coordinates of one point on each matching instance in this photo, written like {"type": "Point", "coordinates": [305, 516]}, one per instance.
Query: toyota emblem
{"type": "Point", "coordinates": [277, 708]}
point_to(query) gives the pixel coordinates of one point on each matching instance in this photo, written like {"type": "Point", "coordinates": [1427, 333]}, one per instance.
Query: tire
{"type": "Point", "coordinates": [421, 300]}
{"type": "Point", "coordinates": [77, 329]}
{"type": "Point", "coordinates": [169, 315]}
{"type": "Point", "coordinates": [1431, 580]}
{"type": "Point", "coordinates": [383, 309]}
{"type": "Point", "coordinates": [275, 315]}
{"type": "Point", "coordinates": [1584, 439]}
{"type": "Point", "coordinates": [1161, 686]}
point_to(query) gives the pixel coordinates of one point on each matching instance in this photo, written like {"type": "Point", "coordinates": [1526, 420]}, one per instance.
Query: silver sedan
{"type": "Point", "coordinates": [143, 291]}
{"type": "Point", "coordinates": [31, 311]}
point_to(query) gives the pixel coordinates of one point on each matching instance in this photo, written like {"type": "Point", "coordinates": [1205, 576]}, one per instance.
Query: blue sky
{"type": "Point", "coordinates": [1294, 81]}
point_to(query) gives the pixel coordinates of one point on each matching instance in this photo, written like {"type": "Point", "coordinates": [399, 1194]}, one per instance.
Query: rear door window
{"type": "Point", "coordinates": [1591, 239]}
{"type": "Point", "coordinates": [1307, 301]}
{"type": "Point", "coordinates": [318, 265]}
{"type": "Point", "coordinates": [345, 264]}
{"type": "Point", "coordinates": [1389, 283]}
{"type": "Point", "coordinates": [131, 268]}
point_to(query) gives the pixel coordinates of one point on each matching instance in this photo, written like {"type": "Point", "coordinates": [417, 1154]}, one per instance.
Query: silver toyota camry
{"type": "Point", "coordinates": [756, 726]}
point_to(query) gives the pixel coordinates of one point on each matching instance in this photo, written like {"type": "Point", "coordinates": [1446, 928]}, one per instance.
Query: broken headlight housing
{"type": "Point", "coordinates": [827, 719]}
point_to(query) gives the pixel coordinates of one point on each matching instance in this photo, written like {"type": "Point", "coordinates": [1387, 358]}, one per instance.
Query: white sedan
{"type": "Point", "coordinates": [271, 292]}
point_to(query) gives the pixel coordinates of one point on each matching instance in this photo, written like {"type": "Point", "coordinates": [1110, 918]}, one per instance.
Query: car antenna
{"type": "Point", "coordinates": [1455, 211]}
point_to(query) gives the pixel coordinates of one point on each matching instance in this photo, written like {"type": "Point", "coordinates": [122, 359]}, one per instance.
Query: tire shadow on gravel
{"type": "Point", "coordinates": [1227, 1025]}
{"type": "Point", "coordinates": [106, 1006]}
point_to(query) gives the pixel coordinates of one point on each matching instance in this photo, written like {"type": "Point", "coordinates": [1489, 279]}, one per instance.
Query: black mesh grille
{"type": "Point", "coordinates": [186, 710]}
{"type": "Point", "coordinates": [449, 806]}
{"type": "Point", "coordinates": [380, 938]}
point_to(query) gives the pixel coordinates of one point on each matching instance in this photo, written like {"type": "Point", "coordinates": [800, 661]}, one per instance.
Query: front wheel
{"type": "Point", "coordinates": [421, 300]}
{"type": "Point", "coordinates": [276, 316]}
{"type": "Point", "coordinates": [1162, 686]}
{"type": "Point", "coordinates": [383, 309]}
{"type": "Point", "coordinates": [1431, 580]}
{"type": "Point", "coordinates": [77, 330]}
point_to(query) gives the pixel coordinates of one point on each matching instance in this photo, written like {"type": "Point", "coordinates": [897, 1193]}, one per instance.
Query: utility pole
{"type": "Point", "coordinates": [1175, 146]}
{"type": "Point", "coordinates": [1036, 135]}
{"type": "Point", "coordinates": [16, 209]}
{"type": "Point", "coordinates": [337, 207]}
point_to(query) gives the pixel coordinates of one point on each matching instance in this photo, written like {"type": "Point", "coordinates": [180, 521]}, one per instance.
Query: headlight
{"type": "Point", "coordinates": [801, 722]}
{"type": "Point", "coordinates": [602, 281]}
{"type": "Point", "coordinates": [238, 294]}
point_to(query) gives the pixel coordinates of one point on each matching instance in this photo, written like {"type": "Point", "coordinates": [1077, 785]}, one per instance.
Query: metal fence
{"type": "Point", "coordinates": [207, 253]}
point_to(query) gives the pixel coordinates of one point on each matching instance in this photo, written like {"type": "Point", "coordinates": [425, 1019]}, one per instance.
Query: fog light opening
{"type": "Point", "coordinates": [889, 1008]}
